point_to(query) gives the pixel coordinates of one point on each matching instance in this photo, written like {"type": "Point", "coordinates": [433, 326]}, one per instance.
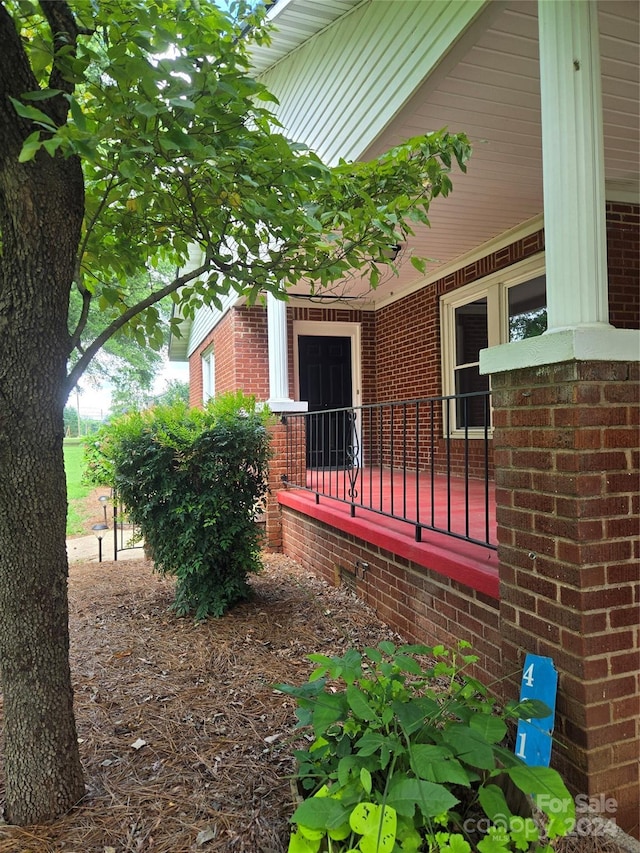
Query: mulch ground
{"type": "Point", "coordinates": [185, 743]}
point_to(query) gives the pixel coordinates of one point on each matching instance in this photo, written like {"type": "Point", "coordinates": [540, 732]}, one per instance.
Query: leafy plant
{"type": "Point", "coordinates": [191, 480]}
{"type": "Point", "coordinates": [407, 755]}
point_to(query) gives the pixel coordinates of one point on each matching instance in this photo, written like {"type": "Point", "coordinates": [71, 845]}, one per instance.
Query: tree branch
{"type": "Point", "coordinates": [81, 365]}
{"type": "Point", "coordinates": [64, 32]}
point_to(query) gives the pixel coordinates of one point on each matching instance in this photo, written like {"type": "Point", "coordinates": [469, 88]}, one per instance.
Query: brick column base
{"type": "Point", "coordinates": [567, 482]}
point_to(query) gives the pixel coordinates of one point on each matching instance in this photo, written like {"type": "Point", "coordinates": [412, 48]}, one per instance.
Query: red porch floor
{"type": "Point", "coordinates": [448, 504]}
{"type": "Point", "coordinates": [453, 504]}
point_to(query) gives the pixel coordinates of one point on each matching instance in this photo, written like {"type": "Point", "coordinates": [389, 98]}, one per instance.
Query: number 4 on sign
{"type": "Point", "coordinates": [533, 740]}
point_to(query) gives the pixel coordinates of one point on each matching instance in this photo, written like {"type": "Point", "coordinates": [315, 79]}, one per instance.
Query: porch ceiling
{"type": "Point", "coordinates": [488, 86]}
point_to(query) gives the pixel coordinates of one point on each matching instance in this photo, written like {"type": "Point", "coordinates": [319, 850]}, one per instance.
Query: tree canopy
{"type": "Point", "coordinates": [179, 147]}
{"type": "Point", "coordinates": [130, 131]}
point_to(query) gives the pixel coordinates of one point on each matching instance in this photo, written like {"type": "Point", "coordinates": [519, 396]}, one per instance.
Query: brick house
{"type": "Point", "coordinates": [470, 479]}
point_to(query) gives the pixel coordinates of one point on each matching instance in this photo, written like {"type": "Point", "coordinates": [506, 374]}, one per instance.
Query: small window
{"type": "Point", "coordinates": [208, 375]}
{"type": "Point", "coordinates": [527, 309]}
{"type": "Point", "coordinates": [484, 314]}
{"type": "Point", "coordinates": [472, 335]}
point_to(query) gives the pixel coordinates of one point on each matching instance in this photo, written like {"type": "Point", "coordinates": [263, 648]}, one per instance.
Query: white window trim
{"type": "Point", "coordinates": [208, 364]}
{"type": "Point", "coordinates": [495, 287]}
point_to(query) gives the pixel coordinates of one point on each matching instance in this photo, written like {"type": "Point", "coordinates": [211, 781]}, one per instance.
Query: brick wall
{"type": "Point", "coordinates": [567, 476]}
{"type": "Point", "coordinates": [224, 349]}
{"type": "Point", "coordinates": [241, 355]}
{"type": "Point", "coordinates": [277, 467]}
{"type": "Point", "coordinates": [422, 605]}
{"type": "Point", "coordinates": [401, 347]}
{"type": "Point", "coordinates": [251, 351]}
{"type": "Point", "coordinates": [408, 348]}
{"type": "Point", "coordinates": [623, 252]}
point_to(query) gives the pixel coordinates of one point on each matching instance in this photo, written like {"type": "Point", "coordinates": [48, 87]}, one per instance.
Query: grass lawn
{"type": "Point", "coordinates": [76, 489]}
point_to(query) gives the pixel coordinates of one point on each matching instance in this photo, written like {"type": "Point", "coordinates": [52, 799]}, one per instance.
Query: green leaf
{"type": "Point", "coordinates": [41, 94]}
{"type": "Point", "coordinates": [497, 840]}
{"type": "Point", "coordinates": [77, 114]}
{"type": "Point", "coordinates": [490, 728]}
{"type": "Point", "coordinates": [405, 794]}
{"type": "Point", "coordinates": [373, 654]}
{"type": "Point", "coordinates": [493, 802]}
{"type": "Point", "coordinates": [415, 713]}
{"type": "Point", "coordinates": [372, 742]}
{"type": "Point", "coordinates": [30, 147]}
{"type": "Point", "coordinates": [456, 844]}
{"type": "Point", "coordinates": [546, 786]}
{"type": "Point", "coordinates": [340, 833]}
{"type": "Point", "coordinates": [359, 705]}
{"type": "Point", "coordinates": [298, 843]}
{"type": "Point", "coordinates": [469, 747]}
{"type": "Point", "coordinates": [377, 824]}
{"type": "Point", "coordinates": [33, 114]}
{"type": "Point", "coordinates": [444, 770]}
{"type": "Point", "coordinates": [365, 780]}
{"type": "Point", "coordinates": [329, 708]}
{"type": "Point", "coordinates": [147, 109]}
{"type": "Point", "coordinates": [523, 832]}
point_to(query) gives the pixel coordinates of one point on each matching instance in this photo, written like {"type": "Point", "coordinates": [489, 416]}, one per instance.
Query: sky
{"type": "Point", "coordinates": [95, 402]}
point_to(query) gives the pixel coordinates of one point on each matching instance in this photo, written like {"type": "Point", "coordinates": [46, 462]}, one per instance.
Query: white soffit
{"type": "Point", "coordinates": [296, 21]}
{"type": "Point", "coordinates": [492, 94]}
{"type": "Point", "coordinates": [486, 83]}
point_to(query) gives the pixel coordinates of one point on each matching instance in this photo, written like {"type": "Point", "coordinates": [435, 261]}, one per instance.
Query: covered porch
{"type": "Point", "coordinates": [398, 477]}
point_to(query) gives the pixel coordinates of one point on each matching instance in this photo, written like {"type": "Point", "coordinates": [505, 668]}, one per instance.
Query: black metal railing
{"type": "Point", "coordinates": [126, 534]}
{"type": "Point", "coordinates": [425, 462]}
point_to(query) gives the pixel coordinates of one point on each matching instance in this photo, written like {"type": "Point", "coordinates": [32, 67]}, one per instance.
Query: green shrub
{"type": "Point", "coordinates": [192, 480]}
{"type": "Point", "coordinates": [406, 757]}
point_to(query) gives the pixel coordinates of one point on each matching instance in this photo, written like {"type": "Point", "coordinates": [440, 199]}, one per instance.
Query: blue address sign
{"type": "Point", "coordinates": [534, 736]}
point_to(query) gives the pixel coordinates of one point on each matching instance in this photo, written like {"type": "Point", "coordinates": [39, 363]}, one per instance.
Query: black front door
{"type": "Point", "coordinates": [325, 383]}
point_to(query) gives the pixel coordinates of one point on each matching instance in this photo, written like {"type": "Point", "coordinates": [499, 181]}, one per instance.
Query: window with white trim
{"type": "Point", "coordinates": [492, 311]}
{"type": "Point", "coordinates": [208, 375]}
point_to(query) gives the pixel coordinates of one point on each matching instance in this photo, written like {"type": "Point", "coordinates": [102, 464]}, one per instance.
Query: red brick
{"type": "Point", "coordinates": [624, 663]}
{"type": "Point", "coordinates": [596, 599]}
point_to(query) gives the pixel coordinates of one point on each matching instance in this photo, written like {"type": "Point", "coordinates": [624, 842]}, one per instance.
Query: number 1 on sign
{"type": "Point", "coordinates": [522, 742]}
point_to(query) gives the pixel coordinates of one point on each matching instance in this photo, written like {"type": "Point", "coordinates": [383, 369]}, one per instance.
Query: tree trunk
{"type": "Point", "coordinates": [41, 207]}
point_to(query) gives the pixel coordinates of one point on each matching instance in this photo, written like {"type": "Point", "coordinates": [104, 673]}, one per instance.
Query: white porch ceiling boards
{"type": "Point", "coordinates": [296, 24]}
{"type": "Point", "coordinates": [488, 86]}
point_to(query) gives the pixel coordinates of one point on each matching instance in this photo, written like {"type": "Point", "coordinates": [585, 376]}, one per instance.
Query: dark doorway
{"type": "Point", "coordinates": [326, 384]}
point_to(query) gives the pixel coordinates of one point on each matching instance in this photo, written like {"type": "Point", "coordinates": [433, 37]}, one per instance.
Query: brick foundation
{"type": "Point", "coordinates": [568, 523]}
{"type": "Point", "coordinates": [422, 605]}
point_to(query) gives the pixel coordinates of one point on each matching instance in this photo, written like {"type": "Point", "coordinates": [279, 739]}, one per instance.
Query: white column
{"type": "Point", "coordinates": [279, 399]}
{"type": "Point", "coordinates": [573, 164]}
{"type": "Point", "coordinates": [574, 200]}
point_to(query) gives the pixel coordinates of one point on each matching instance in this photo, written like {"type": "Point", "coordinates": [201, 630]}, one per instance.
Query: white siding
{"type": "Point", "coordinates": [340, 89]}
{"type": "Point", "coordinates": [206, 319]}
